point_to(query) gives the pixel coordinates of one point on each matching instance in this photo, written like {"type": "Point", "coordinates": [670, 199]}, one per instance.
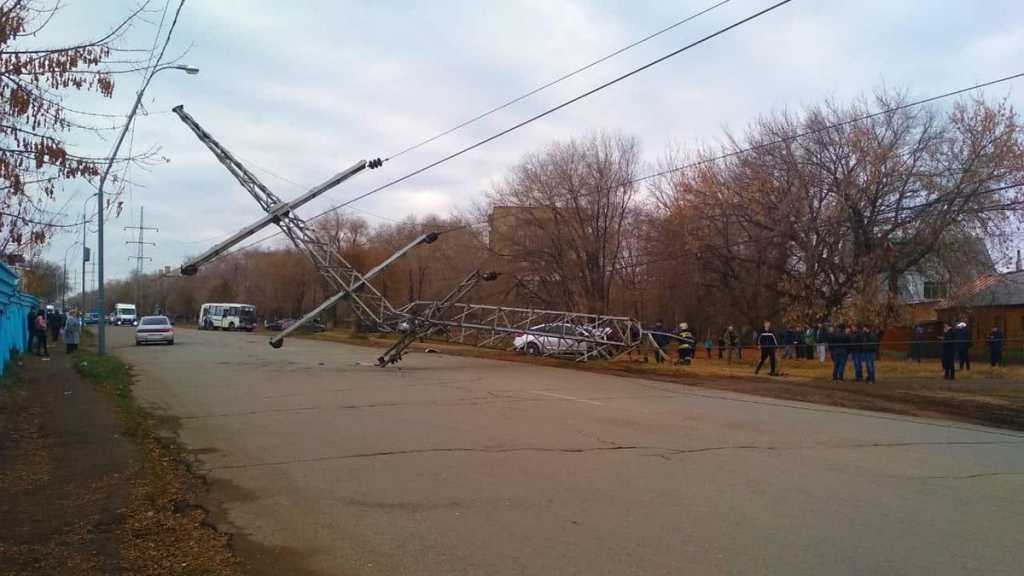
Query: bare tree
{"type": "Point", "coordinates": [567, 209]}
{"type": "Point", "coordinates": [834, 219]}
{"type": "Point", "coordinates": [35, 120]}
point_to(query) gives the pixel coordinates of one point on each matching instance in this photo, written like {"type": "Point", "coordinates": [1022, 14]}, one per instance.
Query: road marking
{"type": "Point", "coordinates": [564, 397]}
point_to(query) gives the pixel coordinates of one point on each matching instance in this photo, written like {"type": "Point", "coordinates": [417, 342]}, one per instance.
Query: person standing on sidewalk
{"type": "Point", "coordinates": [963, 345]}
{"type": "Point", "coordinates": [40, 328]}
{"type": "Point", "coordinates": [767, 342]}
{"type": "Point", "coordinates": [72, 331]}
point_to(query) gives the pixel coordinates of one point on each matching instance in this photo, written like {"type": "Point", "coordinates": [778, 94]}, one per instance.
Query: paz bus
{"type": "Point", "coordinates": [227, 316]}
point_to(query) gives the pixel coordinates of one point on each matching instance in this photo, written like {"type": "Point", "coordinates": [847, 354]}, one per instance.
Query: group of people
{"type": "Point", "coordinates": [42, 325]}
{"type": "Point", "coordinates": [956, 348]}
{"type": "Point", "coordinates": [842, 344]}
{"type": "Point", "coordinates": [857, 344]}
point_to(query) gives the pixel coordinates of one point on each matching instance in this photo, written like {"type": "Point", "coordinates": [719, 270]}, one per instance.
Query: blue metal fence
{"type": "Point", "coordinates": [14, 309]}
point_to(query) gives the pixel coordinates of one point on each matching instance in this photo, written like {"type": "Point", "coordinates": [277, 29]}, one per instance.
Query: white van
{"type": "Point", "coordinates": [124, 315]}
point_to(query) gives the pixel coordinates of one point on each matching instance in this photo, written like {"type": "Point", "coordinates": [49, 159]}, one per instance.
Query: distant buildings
{"type": "Point", "coordinates": [991, 300]}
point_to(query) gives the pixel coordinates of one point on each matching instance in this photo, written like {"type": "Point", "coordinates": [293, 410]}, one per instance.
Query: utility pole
{"type": "Point", "coordinates": [140, 255]}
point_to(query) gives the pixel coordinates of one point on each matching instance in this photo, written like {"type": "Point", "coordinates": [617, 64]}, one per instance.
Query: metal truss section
{"type": "Point", "coordinates": [372, 308]}
{"type": "Point", "coordinates": [427, 320]}
{"type": "Point", "coordinates": [589, 335]}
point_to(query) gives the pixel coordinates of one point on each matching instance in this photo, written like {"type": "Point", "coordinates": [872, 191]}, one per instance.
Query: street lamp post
{"type": "Point", "coordinates": [64, 279]}
{"type": "Point", "coordinates": [100, 295]}
{"type": "Point", "coordinates": [85, 247]}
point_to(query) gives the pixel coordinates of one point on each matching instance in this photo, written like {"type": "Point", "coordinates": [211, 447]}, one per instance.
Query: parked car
{"type": "Point", "coordinates": [551, 339]}
{"type": "Point", "coordinates": [278, 325]}
{"type": "Point", "coordinates": [154, 330]}
{"type": "Point", "coordinates": [314, 325]}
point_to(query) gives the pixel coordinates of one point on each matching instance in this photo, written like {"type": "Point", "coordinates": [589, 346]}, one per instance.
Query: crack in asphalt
{"type": "Point", "coordinates": [471, 401]}
{"type": "Point", "coordinates": [969, 476]}
{"type": "Point", "coordinates": [663, 452]}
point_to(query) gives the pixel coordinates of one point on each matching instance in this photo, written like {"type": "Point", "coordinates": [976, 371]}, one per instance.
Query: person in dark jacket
{"type": "Point", "coordinates": [660, 340]}
{"type": "Point", "coordinates": [30, 327]}
{"type": "Point", "coordinates": [995, 346]}
{"type": "Point", "coordinates": [949, 346]}
{"type": "Point", "coordinates": [767, 342]}
{"type": "Point", "coordinates": [869, 350]}
{"type": "Point", "coordinates": [856, 351]}
{"type": "Point", "coordinates": [839, 348]}
{"type": "Point", "coordinates": [917, 346]}
{"type": "Point", "coordinates": [963, 345]}
{"type": "Point", "coordinates": [721, 346]}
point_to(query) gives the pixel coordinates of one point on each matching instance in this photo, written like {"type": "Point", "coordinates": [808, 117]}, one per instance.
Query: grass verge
{"type": "Point", "coordinates": [165, 529]}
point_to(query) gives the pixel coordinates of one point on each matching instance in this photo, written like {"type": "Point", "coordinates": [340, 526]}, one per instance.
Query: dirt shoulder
{"type": "Point", "coordinates": [983, 395]}
{"type": "Point", "coordinates": [88, 487]}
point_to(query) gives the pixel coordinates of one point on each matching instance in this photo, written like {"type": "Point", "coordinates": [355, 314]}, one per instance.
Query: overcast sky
{"type": "Point", "coordinates": [304, 89]}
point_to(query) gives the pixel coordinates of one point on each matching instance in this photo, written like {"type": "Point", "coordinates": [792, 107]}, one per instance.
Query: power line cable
{"type": "Point", "coordinates": [814, 131]}
{"type": "Point", "coordinates": [783, 140]}
{"type": "Point", "coordinates": [561, 78]}
{"type": "Point", "coordinates": [533, 118]}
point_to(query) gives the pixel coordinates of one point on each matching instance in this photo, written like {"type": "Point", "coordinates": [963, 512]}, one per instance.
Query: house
{"type": "Point", "coordinates": [991, 300]}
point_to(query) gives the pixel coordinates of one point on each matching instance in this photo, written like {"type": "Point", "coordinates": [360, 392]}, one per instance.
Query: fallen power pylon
{"type": "Point", "coordinates": [580, 336]}
{"type": "Point", "coordinates": [592, 336]}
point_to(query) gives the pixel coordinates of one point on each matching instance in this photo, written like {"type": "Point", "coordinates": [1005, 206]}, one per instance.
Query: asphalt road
{"type": "Point", "coordinates": [466, 466]}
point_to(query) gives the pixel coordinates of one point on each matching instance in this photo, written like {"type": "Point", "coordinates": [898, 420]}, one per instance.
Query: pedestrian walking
{"type": "Point", "coordinates": [839, 349]}
{"type": "Point", "coordinates": [687, 344]}
{"type": "Point", "coordinates": [708, 345]}
{"type": "Point", "coordinates": [72, 332]}
{"type": "Point", "coordinates": [721, 346]}
{"type": "Point", "coordinates": [767, 343]}
{"type": "Point", "coordinates": [949, 347]}
{"type": "Point", "coordinates": [821, 342]}
{"type": "Point", "coordinates": [995, 346]}
{"type": "Point", "coordinates": [963, 345]}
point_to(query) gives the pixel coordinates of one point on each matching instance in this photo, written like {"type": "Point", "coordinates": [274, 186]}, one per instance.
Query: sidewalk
{"type": "Point", "coordinates": [64, 471]}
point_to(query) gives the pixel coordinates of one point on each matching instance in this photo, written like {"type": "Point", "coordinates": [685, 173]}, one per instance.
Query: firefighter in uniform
{"type": "Point", "coordinates": [687, 344]}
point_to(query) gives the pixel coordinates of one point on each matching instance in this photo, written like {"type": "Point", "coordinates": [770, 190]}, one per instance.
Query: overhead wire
{"type": "Point", "coordinates": [540, 115]}
{"type": "Point", "coordinates": [745, 150]}
{"type": "Point", "coordinates": [561, 78]}
{"type": "Point", "coordinates": [508, 103]}
{"type": "Point", "coordinates": [812, 132]}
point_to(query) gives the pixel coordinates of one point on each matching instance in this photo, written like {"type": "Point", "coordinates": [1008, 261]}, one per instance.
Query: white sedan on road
{"type": "Point", "coordinates": [551, 339]}
{"type": "Point", "coordinates": [154, 329]}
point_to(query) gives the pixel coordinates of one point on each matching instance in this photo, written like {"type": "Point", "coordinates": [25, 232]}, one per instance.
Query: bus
{"type": "Point", "coordinates": [227, 316]}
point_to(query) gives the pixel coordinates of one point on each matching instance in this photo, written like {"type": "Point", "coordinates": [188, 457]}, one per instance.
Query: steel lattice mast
{"type": "Point", "coordinates": [368, 304]}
